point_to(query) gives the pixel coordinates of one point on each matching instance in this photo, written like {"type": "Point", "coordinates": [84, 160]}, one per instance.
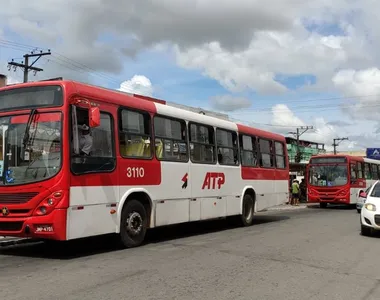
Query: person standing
{"type": "Point", "coordinates": [295, 192]}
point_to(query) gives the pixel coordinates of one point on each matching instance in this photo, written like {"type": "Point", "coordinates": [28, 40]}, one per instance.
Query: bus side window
{"type": "Point", "coordinates": [227, 147]}
{"type": "Point", "coordinates": [102, 156]}
{"type": "Point", "coordinates": [248, 151]}
{"type": "Point", "coordinates": [170, 139]}
{"type": "Point", "coordinates": [266, 153]}
{"type": "Point", "coordinates": [359, 166]}
{"type": "Point", "coordinates": [367, 171]}
{"type": "Point", "coordinates": [280, 155]}
{"type": "Point", "coordinates": [202, 144]}
{"type": "Point", "coordinates": [135, 134]}
{"type": "Point", "coordinates": [374, 172]}
{"type": "Point", "coordinates": [353, 172]}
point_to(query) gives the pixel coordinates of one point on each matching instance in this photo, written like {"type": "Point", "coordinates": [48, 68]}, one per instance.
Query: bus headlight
{"type": "Point", "coordinates": [370, 206]}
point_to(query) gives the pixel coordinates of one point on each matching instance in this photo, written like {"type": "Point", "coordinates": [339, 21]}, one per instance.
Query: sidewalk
{"type": "Point", "coordinates": [290, 207]}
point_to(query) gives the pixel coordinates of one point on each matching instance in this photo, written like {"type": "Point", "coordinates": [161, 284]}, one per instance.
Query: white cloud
{"type": "Point", "coordinates": [270, 53]}
{"type": "Point", "coordinates": [282, 116]}
{"type": "Point", "coordinates": [229, 103]}
{"type": "Point", "coordinates": [138, 84]}
{"type": "Point", "coordinates": [365, 86]}
{"type": "Point", "coordinates": [286, 121]}
{"type": "Point", "coordinates": [12, 80]}
{"type": "Point", "coordinates": [242, 44]}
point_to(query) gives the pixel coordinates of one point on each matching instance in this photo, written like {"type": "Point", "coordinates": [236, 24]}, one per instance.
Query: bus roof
{"type": "Point", "coordinates": [145, 103]}
{"type": "Point", "coordinates": [348, 156]}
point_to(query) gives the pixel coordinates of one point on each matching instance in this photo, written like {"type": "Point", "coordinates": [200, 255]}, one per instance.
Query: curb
{"type": "Point", "coordinates": [287, 207]}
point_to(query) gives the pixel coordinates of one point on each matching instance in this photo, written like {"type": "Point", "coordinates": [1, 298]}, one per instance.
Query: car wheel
{"type": "Point", "coordinates": [366, 231]}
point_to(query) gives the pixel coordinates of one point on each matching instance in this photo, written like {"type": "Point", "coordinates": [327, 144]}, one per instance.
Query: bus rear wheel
{"type": "Point", "coordinates": [134, 223]}
{"type": "Point", "coordinates": [246, 218]}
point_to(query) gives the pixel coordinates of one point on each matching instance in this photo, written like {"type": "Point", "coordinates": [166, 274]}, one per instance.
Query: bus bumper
{"type": "Point", "coordinates": [51, 226]}
{"type": "Point", "coordinates": [339, 197]}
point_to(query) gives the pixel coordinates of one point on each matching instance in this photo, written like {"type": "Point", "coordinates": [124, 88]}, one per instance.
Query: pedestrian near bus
{"type": "Point", "coordinates": [295, 192]}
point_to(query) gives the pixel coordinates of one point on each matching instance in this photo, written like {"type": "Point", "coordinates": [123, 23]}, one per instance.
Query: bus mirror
{"type": "Point", "coordinates": [363, 195]}
{"type": "Point", "coordinates": [94, 116]}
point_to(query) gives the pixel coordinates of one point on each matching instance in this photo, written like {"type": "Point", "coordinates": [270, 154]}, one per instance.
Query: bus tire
{"type": "Point", "coordinates": [246, 218]}
{"type": "Point", "coordinates": [134, 224]}
{"type": "Point", "coordinates": [322, 204]}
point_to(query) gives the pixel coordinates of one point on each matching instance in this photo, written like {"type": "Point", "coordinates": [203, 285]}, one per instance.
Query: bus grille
{"type": "Point", "coordinates": [16, 198]}
{"type": "Point", "coordinates": [11, 226]}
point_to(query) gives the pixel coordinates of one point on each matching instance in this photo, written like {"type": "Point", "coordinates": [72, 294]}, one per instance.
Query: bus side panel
{"type": "Point", "coordinates": [270, 185]}
{"type": "Point", "coordinates": [91, 196]}
{"type": "Point", "coordinates": [172, 196]}
{"type": "Point", "coordinates": [282, 186]}
{"type": "Point", "coordinates": [232, 188]}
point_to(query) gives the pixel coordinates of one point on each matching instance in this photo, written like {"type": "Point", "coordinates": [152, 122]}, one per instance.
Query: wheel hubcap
{"type": "Point", "coordinates": [134, 223]}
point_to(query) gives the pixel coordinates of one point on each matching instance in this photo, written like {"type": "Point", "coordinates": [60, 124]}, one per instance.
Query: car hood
{"type": "Point", "coordinates": [373, 200]}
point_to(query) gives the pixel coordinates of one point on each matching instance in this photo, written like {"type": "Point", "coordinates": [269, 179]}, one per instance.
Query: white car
{"type": "Point", "coordinates": [370, 213]}
{"type": "Point", "coordinates": [361, 199]}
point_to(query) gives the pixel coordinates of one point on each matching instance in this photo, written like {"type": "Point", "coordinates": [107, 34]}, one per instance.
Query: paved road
{"type": "Point", "coordinates": [301, 254]}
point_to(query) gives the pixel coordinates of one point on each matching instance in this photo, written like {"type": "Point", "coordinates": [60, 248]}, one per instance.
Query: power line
{"type": "Point", "coordinates": [73, 65]}
{"type": "Point", "coordinates": [61, 60]}
{"type": "Point", "coordinates": [65, 62]}
{"type": "Point", "coordinates": [297, 134]}
{"type": "Point", "coordinates": [335, 144]}
{"type": "Point", "coordinates": [25, 64]}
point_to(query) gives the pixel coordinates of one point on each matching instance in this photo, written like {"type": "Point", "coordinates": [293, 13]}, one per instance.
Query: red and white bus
{"type": "Point", "coordinates": [150, 164]}
{"type": "Point", "coordinates": [338, 179]}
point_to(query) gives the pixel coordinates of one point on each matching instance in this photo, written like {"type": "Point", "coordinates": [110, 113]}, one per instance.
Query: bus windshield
{"type": "Point", "coordinates": [30, 147]}
{"type": "Point", "coordinates": [328, 175]}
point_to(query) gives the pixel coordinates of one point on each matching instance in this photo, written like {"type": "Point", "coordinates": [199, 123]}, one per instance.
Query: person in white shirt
{"type": "Point", "coordinates": [85, 140]}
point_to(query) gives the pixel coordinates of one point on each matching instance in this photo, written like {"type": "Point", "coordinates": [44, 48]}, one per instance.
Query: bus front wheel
{"type": "Point", "coordinates": [134, 223]}
{"type": "Point", "coordinates": [323, 205]}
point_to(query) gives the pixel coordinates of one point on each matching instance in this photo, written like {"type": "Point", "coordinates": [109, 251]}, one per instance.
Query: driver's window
{"type": "Point", "coordinates": [95, 145]}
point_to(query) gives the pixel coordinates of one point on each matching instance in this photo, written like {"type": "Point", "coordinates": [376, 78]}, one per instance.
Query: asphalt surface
{"type": "Point", "coordinates": [309, 253]}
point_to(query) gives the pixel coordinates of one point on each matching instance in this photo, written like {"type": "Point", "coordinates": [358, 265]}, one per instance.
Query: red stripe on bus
{"type": "Point", "coordinates": [249, 173]}
{"type": "Point", "coordinates": [38, 118]}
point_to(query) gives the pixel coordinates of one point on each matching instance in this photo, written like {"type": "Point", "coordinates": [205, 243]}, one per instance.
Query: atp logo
{"type": "Point", "coordinates": [213, 180]}
{"type": "Point", "coordinates": [184, 180]}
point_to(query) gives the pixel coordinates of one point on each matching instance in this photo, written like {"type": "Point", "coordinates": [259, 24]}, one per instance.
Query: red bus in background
{"type": "Point", "coordinates": [150, 164]}
{"type": "Point", "coordinates": [339, 179]}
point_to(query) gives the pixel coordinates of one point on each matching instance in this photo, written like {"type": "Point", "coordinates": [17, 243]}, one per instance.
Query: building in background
{"type": "Point", "coordinates": [307, 149]}
{"type": "Point", "coordinates": [297, 167]}
{"type": "Point", "coordinates": [3, 80]}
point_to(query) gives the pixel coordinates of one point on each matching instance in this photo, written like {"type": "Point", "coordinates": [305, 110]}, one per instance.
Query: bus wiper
{"type": "Point", "coordinates": [27, 128]}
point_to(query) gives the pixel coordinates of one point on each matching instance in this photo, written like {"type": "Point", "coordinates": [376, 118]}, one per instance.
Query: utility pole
{"type": "Point", "coordinates": [337, 144]}
{"type": "Point", "coordinates": [25, 64]}
{"type": "Point", "coordinates": [297, 135]}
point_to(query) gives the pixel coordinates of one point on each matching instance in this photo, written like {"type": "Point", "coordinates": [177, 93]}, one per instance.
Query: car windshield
{"type": "Point", "coordinates": [32, 155]}
{"type": "Point", "coordinates": [328, 175]}
{"type": "Point", "coordinates": [375, 191]}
